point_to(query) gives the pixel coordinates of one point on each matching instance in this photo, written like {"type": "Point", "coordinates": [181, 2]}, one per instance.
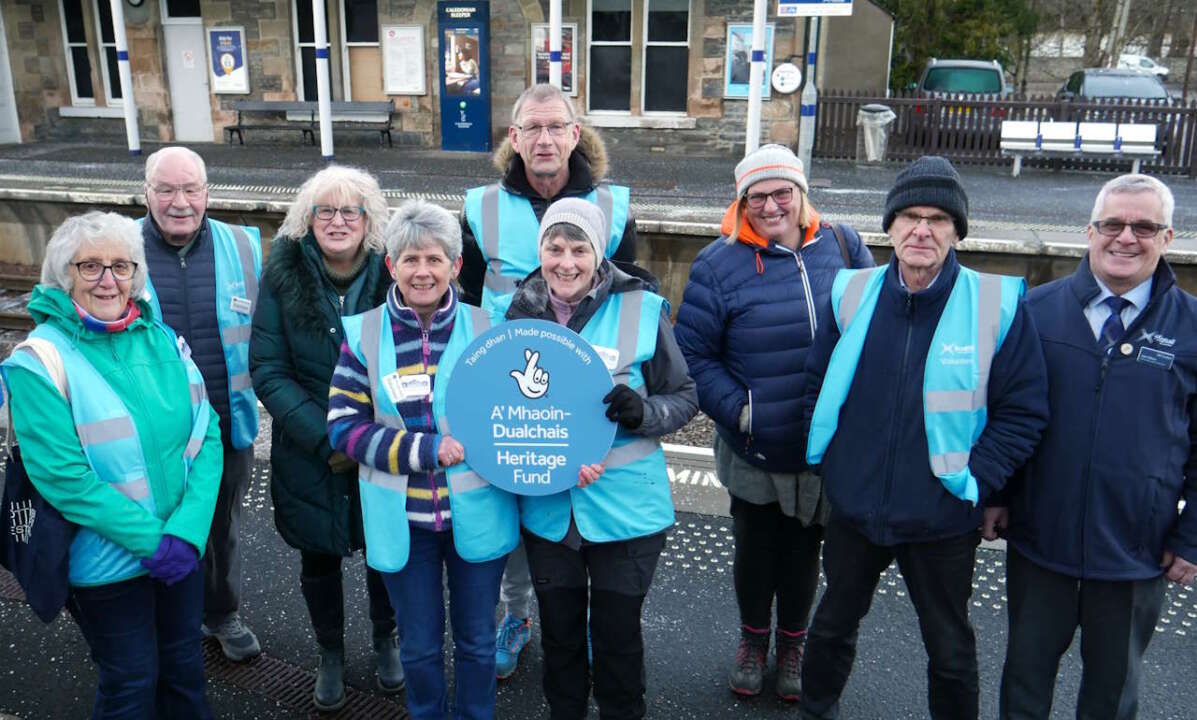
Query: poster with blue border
{"type": "Point", "coordinates": [738, 61]}
{"type": "Point", "coordinates": [525, 399]}
{"type": "Point", "coordinates": [226, 61]}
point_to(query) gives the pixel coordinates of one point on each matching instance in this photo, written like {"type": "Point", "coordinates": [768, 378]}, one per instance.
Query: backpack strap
{"type": "Point", "coordinates": [839, 238]}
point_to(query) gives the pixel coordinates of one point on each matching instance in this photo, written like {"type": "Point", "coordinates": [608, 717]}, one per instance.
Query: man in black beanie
{"type": "Point", "coordinates": [927, 390]}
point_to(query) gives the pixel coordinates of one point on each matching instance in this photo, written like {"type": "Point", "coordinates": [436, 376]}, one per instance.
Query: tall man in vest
{"type": "Point", "coordinates": [933, 391]}
{"type": "Point", "coordinates": [547, 156]}
{"type": "Point", "coordinates": [1093, 529]}
{"type": "Point", "coordinates": [203, 278]}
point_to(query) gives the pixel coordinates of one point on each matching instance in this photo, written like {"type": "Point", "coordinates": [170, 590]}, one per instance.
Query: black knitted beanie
{"type": "Point", "coordinates": [931, 180]}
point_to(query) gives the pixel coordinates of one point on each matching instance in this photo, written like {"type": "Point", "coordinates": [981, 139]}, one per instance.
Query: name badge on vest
{"type": "Point", "coordinates": [1156, 358]}
{"type": "Point", "coordinates": [241, 305]}
{"type": "Point", "coordinates": [405, 388]}
{"type": "Point", "coordinates": [609, 356]}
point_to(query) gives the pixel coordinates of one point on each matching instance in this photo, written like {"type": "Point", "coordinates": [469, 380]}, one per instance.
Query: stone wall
{"type": "Point", "coordinates": [38, 65]}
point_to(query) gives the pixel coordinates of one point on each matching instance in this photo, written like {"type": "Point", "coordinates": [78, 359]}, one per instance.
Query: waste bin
{"type": "Point", "coordinates": [874, 121]}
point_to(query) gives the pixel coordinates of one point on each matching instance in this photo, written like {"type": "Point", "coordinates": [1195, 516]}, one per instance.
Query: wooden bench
{"type": "Point", "coordinates": [346, 115]}
{"type": "Point", "coordinates": [1022, 138]}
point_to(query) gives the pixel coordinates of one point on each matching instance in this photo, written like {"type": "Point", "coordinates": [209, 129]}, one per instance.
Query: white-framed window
{"type": "Point", "coordinates": [86, 42]}
{"type": "Point", "coordinates": [609, 72]}
{"type": "Point", "coordinates": [662, 44]}
{"type": "Point", "coordinates": [305, 50]}
{"type": "Point", "coordinates": [361, 52]}
{"type": "Point", "coordinates": [78, 59]}
{"type": "Point", "coordinates": [180, 9]}
{"type": "Point", "coordinates": [667, 53]}
{"type": "Point", "coordinates": [355, 54]}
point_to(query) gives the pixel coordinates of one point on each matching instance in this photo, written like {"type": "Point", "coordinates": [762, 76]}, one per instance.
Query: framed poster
{"type": "Point", "coordinates": [738, 61]}
{"type": "Point", "coordinates": [540, 56]}
{"type": "Point", "coordinates": [403, 60]}
{"type": "Point", "coordinates": [226, 61]}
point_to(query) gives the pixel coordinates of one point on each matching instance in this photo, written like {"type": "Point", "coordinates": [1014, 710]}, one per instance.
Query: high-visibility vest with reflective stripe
{"type": "Point", "coordinates": [108, 436]}
{"type": "Point", "coordinates": [505, 228]}
{"type": "Point", "coordinates": [632, 497]}
{"type": "Point", "coordinates": [485, 519]}
{"type": "Point", "coordinates": [970, 332]}
{"type": "Point", "coordinates": [238, 267]}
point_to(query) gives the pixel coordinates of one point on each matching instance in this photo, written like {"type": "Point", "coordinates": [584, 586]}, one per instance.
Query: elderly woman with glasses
{"type": "Point", "coordinates": [325, 263]}
{"type": "Point", "coordinates": [747, 319]}
{"type": "Point", "coordinates": [427, 519]}
{"type": "Point", "coordinates": [117, 434]}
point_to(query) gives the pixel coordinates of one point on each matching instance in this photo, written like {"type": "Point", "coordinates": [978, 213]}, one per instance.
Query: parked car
{"type": "Point", "coordinates": [1142, 63]}
{"type": "Point", "coordinates": [966, 81]}
{"type": "Point", "coordinates": [955, 76]}
{"type": "Point", "coordinates": [1112, 83]}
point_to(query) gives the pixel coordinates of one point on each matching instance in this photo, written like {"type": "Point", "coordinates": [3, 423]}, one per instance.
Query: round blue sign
{"type": "Point", "coordinates": [525, 399]}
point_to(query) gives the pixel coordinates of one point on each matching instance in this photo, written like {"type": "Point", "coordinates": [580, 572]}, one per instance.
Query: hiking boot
{"type": "Point", "coordinates": [329, 694]}
{"type": "Point", "coordinates": [790, 646]}
{"type": "Point", "coordinates": [386, 664]}
{"type": "Point", "coordinates": [237, 641]}
{"type": "Point", "coordinates": [748, 674]}
{"type": "Point", "coordinates": [513, 634]}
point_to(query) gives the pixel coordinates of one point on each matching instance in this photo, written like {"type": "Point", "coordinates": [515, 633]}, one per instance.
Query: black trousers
{"type": "Point", "coordinates": [1117, 620]}
{"type": "Point", "coordinates": [776, 556]}
{"type": "Point", "coordinates": [320, 581]}
{"type": "Point", "coordinates": [938, 577]}
{"type": "Point", "coordinates": [611, 580]}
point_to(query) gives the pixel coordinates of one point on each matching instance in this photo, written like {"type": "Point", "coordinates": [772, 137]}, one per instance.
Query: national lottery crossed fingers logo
{"type": "Point", "coordinates": [525, 400]}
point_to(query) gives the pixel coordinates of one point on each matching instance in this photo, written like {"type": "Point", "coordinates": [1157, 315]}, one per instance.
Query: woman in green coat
{"type": "Point", "coordinates": [326, 262]}
{"type": "Point", "coordinates": [116, 433]}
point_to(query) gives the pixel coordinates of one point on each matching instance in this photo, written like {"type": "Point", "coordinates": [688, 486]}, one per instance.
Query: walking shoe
{"type": "Point", "coordinates": [237, 641]}
{"type": "Point", "coordinates": [387, 666]}
{"type": "Point", "coordinates": [329, 693]}
{"type": "Point", "coordinates": [512, 636]}
{"type": "Point", "coordinates": [748, 674]}
{"type": "Point", "coordinates": [790, 646]}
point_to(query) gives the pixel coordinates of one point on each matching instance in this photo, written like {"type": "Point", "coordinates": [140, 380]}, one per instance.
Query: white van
{"type": "Point", "coordinates": [1143, 64]}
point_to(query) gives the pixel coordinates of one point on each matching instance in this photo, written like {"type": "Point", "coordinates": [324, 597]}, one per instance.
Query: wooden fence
{"type": "Point", "coordinates": [967, 128]}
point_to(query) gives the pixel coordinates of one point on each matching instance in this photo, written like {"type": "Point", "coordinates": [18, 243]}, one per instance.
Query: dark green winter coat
{"type": "Point", "coordinates": [293, 350]}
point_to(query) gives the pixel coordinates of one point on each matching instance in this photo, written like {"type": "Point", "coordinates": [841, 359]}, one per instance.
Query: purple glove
{"type": "Point", "coordinates": [174, 560]}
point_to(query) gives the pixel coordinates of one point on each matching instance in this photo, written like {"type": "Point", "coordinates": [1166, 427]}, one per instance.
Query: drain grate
{"type": "Point", "coordinates": [271, 678]}
{"type": "Point", "coordinates": [291, 687]}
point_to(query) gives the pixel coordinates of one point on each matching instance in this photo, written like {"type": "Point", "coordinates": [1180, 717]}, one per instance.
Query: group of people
{"type": "Point", "coordinates": [863, 414]}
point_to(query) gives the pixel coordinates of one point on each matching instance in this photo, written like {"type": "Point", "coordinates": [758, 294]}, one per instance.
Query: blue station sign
{"type": "Point", "coordinates": [525, 400]}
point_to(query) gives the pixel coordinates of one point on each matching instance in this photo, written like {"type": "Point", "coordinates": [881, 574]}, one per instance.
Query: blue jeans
{"type": "Point", "coordinates": [146, 642]}
{"type": "Point", "coordinates": [418, 597]}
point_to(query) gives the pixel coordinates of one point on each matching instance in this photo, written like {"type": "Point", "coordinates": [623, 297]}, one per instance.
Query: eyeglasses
{"type": "Point", "coordinates": [191, 192]}
{"type": "Point", "coordinates": [781, 197]}
{"type": "Point", "coordinates": [937, 222]}
{"type": "Point", "coordinates": [533, 131]}
{"type": "Point", "coordinates": [1141, 229]}
{"type": "Point", "coordinates": [92, 270]}
{"type": "Point", "coordinates": [349, 213]}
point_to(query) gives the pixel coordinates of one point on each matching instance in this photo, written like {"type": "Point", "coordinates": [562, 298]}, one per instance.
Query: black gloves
{"type": "Point", "coordinates": [625, 407]}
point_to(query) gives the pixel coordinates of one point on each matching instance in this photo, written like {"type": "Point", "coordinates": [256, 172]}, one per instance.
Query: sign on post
{"type": "Point", "coordinates": [808, 8]}
{"type": "Point", "coordinates": [525, 399]}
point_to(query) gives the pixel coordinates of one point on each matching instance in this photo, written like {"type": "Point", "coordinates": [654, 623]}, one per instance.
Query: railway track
{"type": "Point", "coordinates": [15, 284]}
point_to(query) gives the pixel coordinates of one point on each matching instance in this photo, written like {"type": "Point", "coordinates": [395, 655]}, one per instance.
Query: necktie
{"type": "Point", "coordinates": [1113, 329]}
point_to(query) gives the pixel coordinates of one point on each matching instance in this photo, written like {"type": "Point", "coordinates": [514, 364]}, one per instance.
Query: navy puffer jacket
{"type": "Point", "coordinates": [745, 325]}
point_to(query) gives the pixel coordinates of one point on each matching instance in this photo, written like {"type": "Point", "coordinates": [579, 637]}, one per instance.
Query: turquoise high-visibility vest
{"type": "Point", "coordinates": [505, 228]}
{"type": "Point", "coordinates": [970, 332]}
{"type": "Point", "coordinates": [485, 519]}
{"type": "Point", "coordinates": [632, 497]}
{"type": "Point", "coordinates": [238, 267]}
{"type": "Point", "coordinates": [108, 436]}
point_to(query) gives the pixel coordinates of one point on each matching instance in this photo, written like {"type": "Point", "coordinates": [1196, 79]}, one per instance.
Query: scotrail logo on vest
{"type": "Point", "coordinates": [525, 399]}
{"type": "Point", "coordinates": [954, 354]}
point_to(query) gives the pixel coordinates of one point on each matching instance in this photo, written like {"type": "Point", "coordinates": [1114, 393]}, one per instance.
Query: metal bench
{"type": "Point", "coordinates": [346, 115]}
{"type": "Point", "coordinates": [274, 114]}
{"type": "Point", "coordinates": [1022, 138]}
